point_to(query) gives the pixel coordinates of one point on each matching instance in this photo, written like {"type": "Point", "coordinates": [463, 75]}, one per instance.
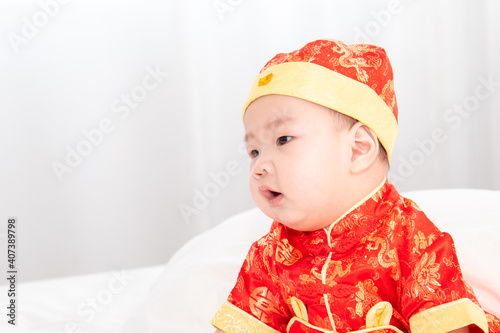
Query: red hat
{"type": "Point", "coordinates": [355, 80]}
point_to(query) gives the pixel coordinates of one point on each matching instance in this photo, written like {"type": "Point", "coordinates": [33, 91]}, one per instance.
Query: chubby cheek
{"type": "Point", "coordinates": [307, 175]}
{"type": "Point", "coordinates": [254, 191]}
{"type": "Point", "coordinates": [317, 187]}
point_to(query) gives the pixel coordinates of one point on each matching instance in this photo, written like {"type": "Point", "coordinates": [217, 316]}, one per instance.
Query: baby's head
{"type": "Point", "coordinates": [320, 126]}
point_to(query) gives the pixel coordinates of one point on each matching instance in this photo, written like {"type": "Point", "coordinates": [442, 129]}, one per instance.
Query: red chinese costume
{"type": "Point", "coordinates": [383, 266]}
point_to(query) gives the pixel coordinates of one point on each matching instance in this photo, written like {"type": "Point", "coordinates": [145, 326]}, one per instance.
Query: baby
{"type": "Point", "coordinates": [345, 253]}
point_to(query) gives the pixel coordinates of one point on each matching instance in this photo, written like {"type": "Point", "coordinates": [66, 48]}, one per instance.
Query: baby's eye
{"type": "Point", "coordinates": [282, 140]}
{"type": "Point", "coordinates": [253, 153]}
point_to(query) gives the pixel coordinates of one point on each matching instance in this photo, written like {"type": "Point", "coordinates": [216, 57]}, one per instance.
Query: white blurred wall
{"type": "Point", "coordinates": [120, 121]}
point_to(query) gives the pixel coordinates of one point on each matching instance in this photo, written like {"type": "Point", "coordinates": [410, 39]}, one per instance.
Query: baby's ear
{"type": "Point", "coordinates": [364, 147]}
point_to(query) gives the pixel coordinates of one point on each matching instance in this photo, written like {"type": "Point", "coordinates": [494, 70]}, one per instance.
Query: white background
{"type": "Point", "coordinates": [66, 68]}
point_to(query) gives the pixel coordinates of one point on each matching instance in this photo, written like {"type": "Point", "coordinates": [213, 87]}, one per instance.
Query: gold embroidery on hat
{"type": "Point", "coordinates": [265, 79]}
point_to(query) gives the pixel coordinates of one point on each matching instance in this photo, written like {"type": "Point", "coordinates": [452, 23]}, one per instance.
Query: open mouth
{"type": "Point", "coordinates": [273, 196]}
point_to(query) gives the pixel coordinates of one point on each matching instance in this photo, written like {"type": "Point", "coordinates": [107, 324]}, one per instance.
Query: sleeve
{"type": "Point", "coordinates": [255, 304]}
{"type": "Point", "coordinates": [435, 297]}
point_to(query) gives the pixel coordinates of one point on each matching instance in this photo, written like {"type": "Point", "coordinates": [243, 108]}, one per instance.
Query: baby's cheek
{"type": "Point", "coordinates": [253, 192]}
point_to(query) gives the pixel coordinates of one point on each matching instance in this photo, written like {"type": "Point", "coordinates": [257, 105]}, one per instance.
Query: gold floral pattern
{"type": "Point", "coordinates": [426, 276]}
{"type": "Point", "coordinates": [422, 242]}
{"type": "Point", "coordinates": [365, 298]}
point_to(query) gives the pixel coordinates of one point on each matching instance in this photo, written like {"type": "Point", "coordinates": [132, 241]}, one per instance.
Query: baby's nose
{"type": "Point", "coordinates": [262, 167]}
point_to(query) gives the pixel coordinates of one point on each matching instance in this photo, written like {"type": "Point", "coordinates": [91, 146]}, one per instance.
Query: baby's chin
{"type": "Point", "coordinates": [302, 227]}
{"type": "Point", "coordinates": [296, 218]}
{"type": "Point", "coordinates": [303, 224]}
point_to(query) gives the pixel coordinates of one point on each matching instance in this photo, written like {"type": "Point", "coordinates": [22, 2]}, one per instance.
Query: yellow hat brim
{"type": "Point", "coordinates": [320, 85]}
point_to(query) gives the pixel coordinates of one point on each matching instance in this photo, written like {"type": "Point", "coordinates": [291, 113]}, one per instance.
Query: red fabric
{"type": "Point", "coordinates": [384, 250]}
{"type": "Point", "coordinates": [364, 63]}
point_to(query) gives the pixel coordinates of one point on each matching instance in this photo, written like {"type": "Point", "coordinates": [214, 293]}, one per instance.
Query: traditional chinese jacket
{"type": "Point", "coordinates": [382, 267]}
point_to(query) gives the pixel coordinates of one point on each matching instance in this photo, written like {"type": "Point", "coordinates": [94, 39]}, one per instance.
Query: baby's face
{"type": "Point", "coordinates": [299, 161]}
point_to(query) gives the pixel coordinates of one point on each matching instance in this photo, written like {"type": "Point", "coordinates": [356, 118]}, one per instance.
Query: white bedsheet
{"type": "Point", "coordinates": [88, 303]}
{"type": "Point", "coordinates": [183, 295]}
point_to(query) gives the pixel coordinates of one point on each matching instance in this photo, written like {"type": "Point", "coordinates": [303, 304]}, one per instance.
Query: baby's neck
{"type": "Point", "coordinates": [363, 185]}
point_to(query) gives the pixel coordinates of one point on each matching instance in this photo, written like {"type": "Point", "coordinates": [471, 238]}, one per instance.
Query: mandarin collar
{"type": "Point", "coordinates": [347, 231]}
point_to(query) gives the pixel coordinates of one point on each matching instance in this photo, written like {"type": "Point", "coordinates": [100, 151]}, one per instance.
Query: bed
{"type": "Point", "coordinates": [182, 295]}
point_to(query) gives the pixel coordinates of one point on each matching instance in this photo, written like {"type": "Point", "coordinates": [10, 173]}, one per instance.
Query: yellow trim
{"type": "Point", "coordinates": [379, 315]}
{"type": "Point", "coordinates": [367, 330]}
{"type": "Point", "coordinates": [325, 266]}
{"type": "Point", "coordinates": [320, 85]}
{"type": "Point", "coordinates": [449, 316]}
{"type": "Point", "coordinates": [230, 318]}
{"type": "Point", "coordinates": [299, 308]}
